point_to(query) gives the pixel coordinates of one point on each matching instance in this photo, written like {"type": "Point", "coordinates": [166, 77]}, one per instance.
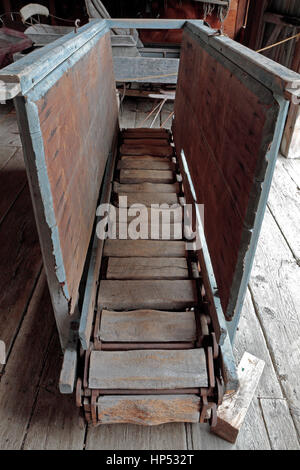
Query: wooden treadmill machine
{"type": "Point", "coordinates": [149, 338]}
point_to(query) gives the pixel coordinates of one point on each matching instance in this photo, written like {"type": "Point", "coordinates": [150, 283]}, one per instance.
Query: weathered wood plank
{"type": "Point", "coordinates": [134, 141]}
{"type": "Point", "coordinates": [9, 133]}
{"type": "Point", "coordinates": [130, 436]}
{"type": "Point", "coordinates": [277, 307]}
{"type": "Point", "coordinates": [145, 133]}
{"type": "Point", "coordinates": [145, 248]}
{"type": "Point", "coordinates": [284, 203]}
{"type": "Point", "coordinates": [22, 372]}
{"type": "Point", "coordinates": [154, 231]}
{"type": "Point", "coordinates": [146, 188]}
{"type": "Point", "coordinates": [54, 423]}
{"type": "Point", "coordinates": [20, 265]}
{"type": "Point", "coordinates": [232, 412]}
{"type": "Point", "coordinates": [151, 369]}
{"type": "Point", "coordinates": [148, 410]}
{"type": "Point", "coordinates": [147, 176]}
{"type": "Point", "coordinates": [147, 199]}
{"type": "Point", "coordinates": [146, 69]}
{"type": "Point", "coordinates": [147, 326]}
{"type": "Point", "coordinates": [133, 295]}
{"type": "Point", "coordinates": [140, 149]}
{"type": "Point", "coordinates": [145, 164]}
{"type": "Point", "coordinates": [281, 429]}
{"type": "Point", "coordinates": [68, 371]}
{"type": "Point", "coordinates": [6, 153]}
{"type": "Point", "coordinates": [12, 181]}
{"type": "Point", "coordinates": [147, 268]}
{"type": "Point", "coordinates": [2, 352]}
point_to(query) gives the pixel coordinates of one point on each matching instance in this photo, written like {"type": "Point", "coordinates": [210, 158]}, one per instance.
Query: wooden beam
{"type": "Point", "coordinates": [146, 69]}
{"type": "Point", "coordinates": [232, 412]}
{"type": "Point", "coordinates": [2, 352]}
{"type": "Point", "coordinates": [68, 372]}
{"type": "Point", "coordinates": [283, 20]}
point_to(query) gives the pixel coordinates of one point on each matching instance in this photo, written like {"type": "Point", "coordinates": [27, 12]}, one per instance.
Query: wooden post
{"type": "Point", "coordinates": [232, 412]}
{"type": "Point", "coordinates": [2, 352]}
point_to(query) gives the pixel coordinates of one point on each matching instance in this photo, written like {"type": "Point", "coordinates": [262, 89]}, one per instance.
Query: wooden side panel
{"type": "Point", "coordinates": [78, 119]}
{"type": "Point", "coordinates": [230, 126]}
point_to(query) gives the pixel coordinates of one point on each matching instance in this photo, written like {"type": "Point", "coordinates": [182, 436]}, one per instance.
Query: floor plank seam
{"type": "Point", "coordinates": [8, 353]}
{"type": "Point", "coordinates": [38, 387]}
{"type": "Point", "coordinates": [272, 359]}
{"type": "Point", "coordinates": [265, 423]}
{"type": "Point", "coordinates": [285, 239]}
{"type": "Point", "coordinates": [12, 204]}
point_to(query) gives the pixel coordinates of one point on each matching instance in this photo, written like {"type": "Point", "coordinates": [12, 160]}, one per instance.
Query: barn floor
{"type": "Point", "coordinates": [33, 414]}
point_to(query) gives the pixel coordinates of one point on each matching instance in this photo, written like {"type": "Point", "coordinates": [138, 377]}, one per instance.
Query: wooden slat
{"type": "Point", "coordinates": [142, 141]}
{"type": "Point", "coordinates": [142, 69]}
{"type": "Point", "coordinates": [155, 231]}
{"type": "Point", "coordinates": [161, 163]}
{"type": "Point", "coordinates": [148, 410]}
{"type": "Point", "coordinates": [154, 215]}
{"type": "Point", "coordinates": [147, 326]}
{"type": "Point", "coordinates": [146, 176]}
{"type": "Point", "coordinates": [68, 372]}
{"type": "Point", "coordinates": [151, 369]}
{"type": "Point", "coordinates": [132, 295]}
{"type": "Point", "coordinates": [149, 198]}
{"type": "Point", "coordinates": [146, 248]}
{"type": "Point", "coordinates": [147, 268]}
{"type": "Point", "coordinates": [145, 133]}
{"type": "Point", "coordinates": [138, 149]}
{"type": "Point", "coordinates": [146, 188]}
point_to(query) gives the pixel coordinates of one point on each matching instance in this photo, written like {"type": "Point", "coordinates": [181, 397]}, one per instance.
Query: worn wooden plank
{"type": "Point", "coordinates": [140, 149]}
{"type": "Point", "coordinates": [147, 326]}
{"type": "Point", "coordinates": [150, 231]}
{"type": "Point", "coordinates": [145, 133]}
{"type": "Point", "coordinates": [68, 371]}
{"type": "Point", "coordinates": [9, 133]}
{"type": "Point", "coordinates": [281, 429]}
{"type": "Point", "coordinates": [146, 69]}
{"type": "Point", "coordinates": [12, 181]}
{"type": "Point", "coordinates": [148, 410]}
{"type": "Point", "coordinates": [146, 188]}
{"type": "Point", "coordinates": [6, 153]}
{"type": "Point", "coordinates": [232, 412]}
{"type": "Point", "coordinates": [250, 337]}
{"type": "Point", "coordinates": [54, 424]}
{"type": "Point", "coordinates": [159, 163]}
{"type": "Point", "coordinates": [284, 203]}
{"type": "Point", "coordinates": [290, 140]}
{"type": "Point", "coordinates": [19, 389]}
{"type": "Point", "coordinates": [158, 214]}
{"type": "Point", "coordinates": [134, 141]}
{"type": "Point", "coordinates": [20, 264]}
{"type": "Point", "coordinates": [143, 294]}
{"type": "Point", "coordinates": [127, 113]}
{"type": "Point", "coordinates": [147, 176]}
{"type": "Point", "coordinates": [274, 288]}
{"type": "Point", "coordinates": [147, 268]}
{"type": "Point", "coordinates": [151, 369]}
{"type": "Point", "coordinates": [145, 248]}
{"type": "Point", "coordinates": [147, 199]}
{"type": "Point", "coordinates": [131, 437]}
{"type": "Point", "coordinates": [2, 352]}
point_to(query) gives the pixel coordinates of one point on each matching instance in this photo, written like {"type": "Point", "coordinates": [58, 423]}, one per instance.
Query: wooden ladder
{"type": "Point", "coordinates": [153, 357]}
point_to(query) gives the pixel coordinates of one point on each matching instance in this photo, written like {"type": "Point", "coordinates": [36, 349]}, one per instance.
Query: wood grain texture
{"type": "Point", "coordinates": [161, 163]}
{"type": "Point", "coordinates": [154, 231]}
{"type": "Point", "coordinates": [232, 412]}
{"type": "Point", "coordinates": [152, 369]}
{"type": "Point", "coordinates": [145, 248]}
{"type": "Point", "coordinates": [77, 139]}
{"type": "Point", "coordinates": [281, 429]}
{"type": "Point", "coordinates": [148, 410]}
{"type": "Point", "coordinates": [147, 326]}
{"type": "Point", "coordinates": [140, 149]}
{"type": "Point", "coordinates": [148, 199]}
{"type": "Point", "coordinates": [145, 133]}
{"type": "Point", "coordinates": [146, 188]}
{"type": "Point", "coordinates": [140, 141]}
{"type": "Point", "coordinates": [137, 294]}
{"type": "Point", "coordinates": [147, 176]}
{"type": "Point", "coordinates": [226, 162]}
{"type": "Point", "coordinates": [147, 268]}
